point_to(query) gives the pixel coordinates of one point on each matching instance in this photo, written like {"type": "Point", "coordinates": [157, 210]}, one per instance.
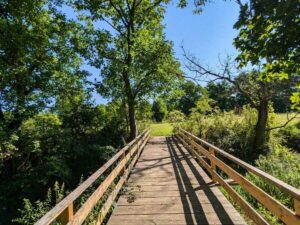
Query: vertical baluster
{"type": "Point", "coordinates": [67, 215]}
{"type": "Point", "coordinates": [297, 206]}
{"type": "Point", "coordinates": [123, 157]}
{"type": "Point", "coordinates": [212, 163]}
{"type": "Point", "coordinates": [192, 144]}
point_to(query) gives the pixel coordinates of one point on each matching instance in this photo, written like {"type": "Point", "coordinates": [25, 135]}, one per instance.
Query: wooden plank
{"type": "Point", "coordinates": [85, 209]}
{"type": "Point", "coordinates": [294, 192]}
{"type": "Point", "coordinates": [246, 207]}
{"type": "Point", "coordinates": [170, 209]}
{"type": "Point", "coordinates": [297, 207]}
{"type": "Point", "coordinates": [110, 200]}
{"type": "Point", "coordinates": [67, 215]}
{"type": "Point", "coordinates": [172, 219]}
{"type": "Point", "coordinates": [153, 197]}
{"type": "Point", "coordinates": [50, 216]}
{"type": "Point", "coordinates": [126, 201]}
{"type": "Point", "coordinates": [281, 211]}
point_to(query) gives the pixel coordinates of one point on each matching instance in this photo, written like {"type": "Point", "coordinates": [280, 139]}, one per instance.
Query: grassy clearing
{"type": "Point", "coordinates": [161, 129]}
{"type": "Point", "coordinates": [281, 118]}
{"type": "Point", "coordinates": [166, 129]}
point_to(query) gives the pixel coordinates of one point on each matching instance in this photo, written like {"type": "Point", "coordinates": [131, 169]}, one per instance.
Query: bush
{"type": "Point", "coordinates": [233, 133]}
{"type": "Point", "coordinates": [31, 212]}
{"type": "Point", "coordinates": [176, 116]}
{"type": "Point", "coordinates": [276, 164]}
{"type": "Point", "coordinates": [159, 109]}
{"type": "Point", "coordinates": [291, 136]}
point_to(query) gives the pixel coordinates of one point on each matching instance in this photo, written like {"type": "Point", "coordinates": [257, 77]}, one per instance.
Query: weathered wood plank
{"type": "Point", "coordinates": [63, 206]}
{"type": "Point", "coordinates": [277, 208]}
{"type": "Point", "coordinates": [167, 186]}
{"type": "Point", "coordinates": [278, 183]}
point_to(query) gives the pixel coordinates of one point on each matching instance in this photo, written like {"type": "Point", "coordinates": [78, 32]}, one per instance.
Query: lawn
{"type": "Point", "coordinates": [161, 129]}
{"type": "Point", "coordinates": [166, 129]}
{"type": "Point", "coordinates": [281, 118]}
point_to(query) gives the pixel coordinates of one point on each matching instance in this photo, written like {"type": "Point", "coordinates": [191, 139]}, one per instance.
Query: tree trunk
{"type": "Point", "coordinates": [261, 136]}
{"type": "Point", "coordinates": [132, 120]}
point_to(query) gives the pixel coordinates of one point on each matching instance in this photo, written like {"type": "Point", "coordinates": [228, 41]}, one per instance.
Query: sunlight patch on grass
{"type": "Point", "coordinates": [281, 118]}
{"type": "Point", "coordinates": [161, 129]}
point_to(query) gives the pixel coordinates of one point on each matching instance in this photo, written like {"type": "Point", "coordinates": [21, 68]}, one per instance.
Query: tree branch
{"type": "Point", "coordinates": [224, 75]}
{"type": "Point", "coordinates": [286, 123]}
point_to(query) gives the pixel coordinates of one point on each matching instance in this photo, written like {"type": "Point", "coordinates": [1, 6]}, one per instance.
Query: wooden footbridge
{"type": "Point", "coordinates": [169, 181]}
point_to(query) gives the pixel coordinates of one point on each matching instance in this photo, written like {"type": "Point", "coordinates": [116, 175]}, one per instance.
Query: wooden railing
{"type": "Point", "coordinates": [120, 166]}
{"type": "Point", "coordinates": [200, 148]}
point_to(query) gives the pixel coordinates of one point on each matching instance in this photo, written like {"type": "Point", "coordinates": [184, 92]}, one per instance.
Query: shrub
{"type": "Point", "coordinates": [31, 212]}
{"type": "Point", "coordinates": [233, 133]}
{"type": "Point", "coordinates": [276, 164]}
{"type": "Point", "coordinates": [176, 116]}
{"type": "Point", "coordinates": [159, 109]}
{"type": "Point", "coordinates": [291, 136]}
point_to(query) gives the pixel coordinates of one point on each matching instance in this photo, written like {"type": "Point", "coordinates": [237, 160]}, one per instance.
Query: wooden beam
{"type": "Point", "coordinates": [294, 192]}
{"type": "Point", "coordinates": [55, 212]}
{"type": "Point", "coordinates": [67, 215]}
{"type": "Point", "coordinates": [278, 209]}
{"type": "Point", "coordinates": [246, 207]}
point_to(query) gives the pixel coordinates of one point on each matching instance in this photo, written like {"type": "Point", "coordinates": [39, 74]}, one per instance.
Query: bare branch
{"type": "Point", "coordinates": [223, 75]}
{"type": "Point", "coordinates": [286, 123]}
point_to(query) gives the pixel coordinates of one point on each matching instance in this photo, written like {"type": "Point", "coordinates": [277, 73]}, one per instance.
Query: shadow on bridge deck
{"type": "Point", "coordinates": [168, 187]}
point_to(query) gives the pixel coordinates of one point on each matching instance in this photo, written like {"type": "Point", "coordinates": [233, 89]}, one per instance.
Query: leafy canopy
{"type": "Point", "coordinates": [269, 36]}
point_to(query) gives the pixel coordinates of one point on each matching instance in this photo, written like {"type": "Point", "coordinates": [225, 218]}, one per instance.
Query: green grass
{"type": "Point", "coordinates": [161, 129]}
{"type": "Point", "coordinates": [281, 118]}
{"type": "Point", "coordinates": [166, 129]}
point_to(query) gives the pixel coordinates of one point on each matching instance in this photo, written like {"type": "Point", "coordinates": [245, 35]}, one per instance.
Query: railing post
{"type": "Point", "coordinates": [193, 146]}
{"type": "Point", "coordinates": [138, 146]}
{"type": "Point", "coordinates": [123, 157]}
{"type": "Point", "coordinates": [67, 215]}
{"type": "Point", "coordinates": [297, 206]}
{"type": "Point", "coordinates": [212, 163]}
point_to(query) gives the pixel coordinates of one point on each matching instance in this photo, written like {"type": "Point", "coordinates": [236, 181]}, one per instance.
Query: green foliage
{"type": "Point", "coordinates": [233, 133]}
{"type": "Point", "coordinates": [38, 51]}
{"type": "Point", "coordinates": [159, 109]}
{"type": "Point", "coordinates": [144, 111]}
{"type": "Point", "coordinates": [31, 212]}
{"type": "Point", "coordinates": [290, 135]}
{"type": "Point", "coordinates": [225, 96]}
{"type": "Point", "coordinates": [176, 116]}
{"type": "Point", "coordinates": [184, 96]}
{"type": "Point", "coordinates": [268, 37]}
{"type": "Point", "coordinates": [134, 56]}
{"type": "Point", "coordinates": [277, 164]}
{"type": "Point", "coordinates": [51, 148]}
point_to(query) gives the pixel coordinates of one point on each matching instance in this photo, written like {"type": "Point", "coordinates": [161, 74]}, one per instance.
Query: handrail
{"type": "Point", "coordinates": [197, 147]}
{"type": "Point", "coordinates": [279, 183]}
{"type": "Point", "coordinates": [63, 211]}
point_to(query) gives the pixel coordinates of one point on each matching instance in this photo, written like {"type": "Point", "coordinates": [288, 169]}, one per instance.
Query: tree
{"type": "Point", "coordinates": [203, 107]}
{"type": "Point", "coordinates": [36, 52]}
{"type": "Point", "coordinates": [39, 61]}
{"type": "Point", "coordinates": [159, 109]}
{"type": "Point", "coordinates": [258, 93]}
{"type": "Point", "coordinates": [269, 37]}
{"type": "Point", "coordinates": [185, 96]}
{"type": "Point", "coordinates": [176, 116]}
{"type": "Point", "coordinates": [223, 94]}
{"type": "Point", "coordinates": [133, 55]}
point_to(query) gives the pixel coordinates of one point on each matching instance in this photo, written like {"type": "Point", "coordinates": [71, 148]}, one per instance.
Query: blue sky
{"type": "Point", "coordinates": [207, 35]}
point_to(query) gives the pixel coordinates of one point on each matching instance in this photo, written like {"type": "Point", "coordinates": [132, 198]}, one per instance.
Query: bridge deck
{"type": "Point", "coordinates": [168, 187]}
